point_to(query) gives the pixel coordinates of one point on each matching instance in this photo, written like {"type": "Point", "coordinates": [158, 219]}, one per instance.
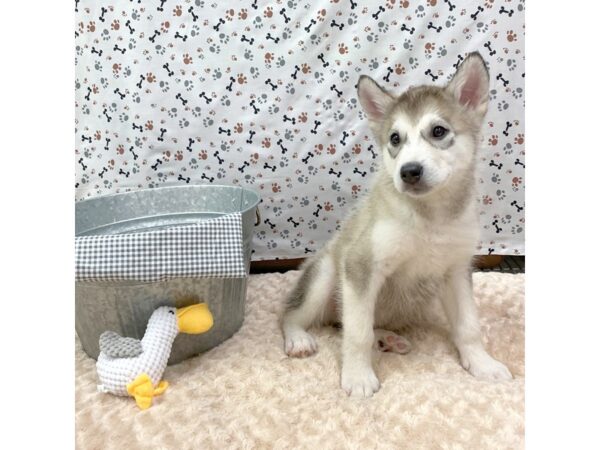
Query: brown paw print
{"type": "Point", "coordinates": [239, 128]}
{"type": "Point", "coordinates": [166, 155]}
{"type": "Point", "coordinates": [342, 48]}
{"type": "Point", "coordinates": [178, 155]}
{"type": "Point", "coordinates": [318, 149]}
{"type": "Point", "coordinates": [356, 149]}
{"type": "Point", "coordinates": [254, 158]}
{"type": "Point", "coordinates": [399, 69]}
{"type": "Point", "coordinates": [404, 4]}
{"type": "Point", "coordinates": [150, 78]}
{"type": "Point", "coordinates": [164, 27]}
{"type": "Point", "coordinates": [321, 15]}
{"type": "Point", "coordinates": [487, 200]}
{"type": "Point", "coordinates": [266, 143]}
{"type": "Point", "coordinates": [429, 47]}
{"type": "Point", "coordinates": [116, 67]}
{"type": "Point", "coordinates": [511, 36]}
{"type": "Point", "coordinates": [229, 14]}
{"type": "Point", "coordinates": [91, 26]}
{"type": "Point", "coordinates": [269, 57]}
{"type": "Point", "coordinates": [203, 154]}
{"type": "Point", "coordinates": [519, 138]}
{"type": "Point", "coordinates": [115, 25]}
{"type": "Point", "coordinates": [95, 89]}
{"type": "Point", "coordinates": [111, 163]}
{"type": "Point", "coordinates": [97, 135]}
{"type": "Point", "coordinates": [268, 12]}
{"type": "Point", "coordinates": [243, 14]}
{"type": "Point", "coordinates": [493, 140]}
{"type": "Point", "coordinates": [303, 117]}
{"type": "Point", "coordinates": [331, 149]}
{"type": "Point", "coordinates": [516, 181]}
{"type": "Point", "coordinates": [432, 2]}
{"type": "Point", "coordinates": [149, 125]}
{"type": "Point", "coordinates": [275, 187]}
{"type": "Point", "coordinates": [177, 11]}
{"type": "Point", "coordinates": [489, 3]}
{"type": "Point", "coordinates": [327, 206]}
{"type": "Point", "coordinates": [187, 59]}
{"type": "Point", "coordinates": [120, 149]}
{"type": "Point", "coordinates": [241, 78]}
{"type": "Point", "coordinates": [355, 189]}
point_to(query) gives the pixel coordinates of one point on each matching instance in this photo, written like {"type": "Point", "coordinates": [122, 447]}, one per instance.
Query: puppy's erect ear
{"type": "Point", "coordinates": [374, 100]}
{"type": "Point", "coordinates": [470, 84]}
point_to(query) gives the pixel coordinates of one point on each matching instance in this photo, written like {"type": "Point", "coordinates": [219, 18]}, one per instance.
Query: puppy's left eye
{"type": "Point", "coordinates": [439, 132]}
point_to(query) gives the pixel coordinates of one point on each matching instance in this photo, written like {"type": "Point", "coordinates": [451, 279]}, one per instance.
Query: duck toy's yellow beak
{"type": "Point", "coordinates": [194, 319]}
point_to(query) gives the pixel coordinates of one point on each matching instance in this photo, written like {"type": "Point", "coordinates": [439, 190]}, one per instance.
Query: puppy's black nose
{"type": "Point", "coordinates": [411, 172]}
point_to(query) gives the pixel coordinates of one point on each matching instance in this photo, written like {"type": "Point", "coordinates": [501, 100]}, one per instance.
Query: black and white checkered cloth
{"type": "Point", "coordinates": [210, 248]}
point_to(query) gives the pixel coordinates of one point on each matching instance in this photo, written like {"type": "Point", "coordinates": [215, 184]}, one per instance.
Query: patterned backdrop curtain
{"type": "Point", "coordinates": [261, 94]}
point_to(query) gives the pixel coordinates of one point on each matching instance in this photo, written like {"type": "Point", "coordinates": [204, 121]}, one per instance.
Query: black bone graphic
{"type": "Point", "coordinates": [500, 77]}
{"type": "Point", "coordinates": [335, 24]}
{"type": "Point", "coordinates": [343, 141]}
{"type": "Point", "coordinates": [362, 174]}
{"type": "Point", "coordinates": [162, 3]}
{"type": "Point", "coordinates": [431, 26]}
{"type": "Point", "coordinates": [121, 172]}
{"type": "Point", "coordinates": [181, 178]}
{"type": "Point", "coordinates": [333, 172]}
{"type": "Point", "coordinates": [430, 73]}
{"type": "Point", "coordinates": [476, 13]}
{"type": "Point", "coordinates": [519, 163]}
{"type": "Point", "coordinates": [283, 149]}
{"type": "Point", "coordinates": [273, 86]}
{"type": "Point", "coordinates": [76, 184]}
{"type": "Point", "coordinates": [488, 45]}
{"type": "Point", "coordinates": [103, 10]}
{"type": "Point", "coordinates": [108, 118]}
{"type": "Point", "coordinates": [179, 97]}
{"type": "Point", "coordinates": [268, 222]}
{"type": "Point", "coordinates": [169, 71]}
{"type": "Point", "coordinates": [82, 164]}
{"type": "Point", "coordinates": [291, 220]}
{"type": "Point", "coordinates": [295, 74]}
{"type": "Point", "coordinates": [107, 142]}
{"type": "Point", "coordinates": [87, 96]}
{"type": "Point", "coordinates": [249, 140]}
{"type": "Point", "coordinates": [495, 224]}
{"type": "Point", "coordinates": [153, 37]}
{"type": "Point", "coordinates": [319, 208]}
{"type": "Point", "coordinates": [204, 177]}
{"type": "Point", "coordinates": [128, 25]}
{"type": "Point", "coordinates": [191, 11]}
{"type": "Point", "coordinates": [370, 149]}
{"type": "Point", "coordinates": [76, 10]}
{"type": "Point", "coordinates": [182, 37]}
{"type": "Point", "coordinates": [245, 39]}
{"type": "Point", "coordinates": [256, 110]}
{"type": "Point", "coordinates": [493, 164]}
{"type": "Point", "coordinates": [519, 208]}
{"type": "Point", "coordinates": [310, 155]}
{"type": "Point", "coordinates": [119, 93]}
{"type": "Point", "coordinates": [306, 249]}
{"type": "Point", "coordinates": [117, 49]}
{"type": "Point", "coordinates": [221, 22]}
{"type": "Point", "coordinates": [162, 134]}
{"type": "Point", "coordinates": [139, 84]}
{"type": "Point", "coordinates": [254, 5]}
{"type": "Point", "coordinates": [135, 156]}
{"type": "Point", "coordinates": [224, 131]}
{"type": "Point", "coordinates": [86, 138]}
{"type": "Point", "coordinates": [314, 130]}
{"type": "Point", "coordinates": [137, 127]}
{"type": "Point", "coordinates": [379, 11]}
{"type": "Point", "coordinates": [155, 165]}
{"type": "Point", "coordinates": [219, 159]}
{"type": "Point", "coordinates": [243, 166]}
{"type": "Point", "coordinates": [307, 28]}
{"type": "Point", "coordinates": [389, 72]}
{"type": "Point", "coordinates": [230, 86]}
{"type": "Point", "coordinates": [333, 88]}
{"type": "Point", "coordinates": [457, 63]}
{"type": "Point", "coordinates": [450, 5]}
{"type": "Point", "coordinates": [104, 170]}
{"type": "Point", "coordinates": [321, 56]}
{"type": "Point", "coordinates": [274, 39]}
{"type": "Point", "coordinates": [97, 52]}
{"type": "Point", "coordinates": [203, 95]}
{"type": "Point", "coordinates": [508, 125]}
{"type": "Point", "coordinates": [502, 11]}
{"type": "Point", "coordinates": [491, 250]}
{"type": "Point", "coordinates": [189, 146]}
{"type": "Point", "coordinates": [352, 4]}
{"type": "Point", "coordinates": [411, 30]}
{"type": "Point", "coordinates": [267, 166]}
{"type": "Point", "coordinates": [282, 12]}
{"type": "Point", "coordinates": [288, 119]}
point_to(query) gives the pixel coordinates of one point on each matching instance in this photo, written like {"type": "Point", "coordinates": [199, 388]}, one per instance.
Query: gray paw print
{"type": "Point", "coordinates": [327, 104]}
{"type": "Point", "coordinates": [132, 44]}
{"type": "Point", "coordinates": [511, 64]}
{"type": "Point", "coordinates": [286, 34]}
{"type": "Point", "coordinates": [501, 194]}
{"type": "Point", "coordinates": [515, 229]}
{"type": "Point", "coordinates": [315, 39]}
{"type": "Point", "coordinates": [225, 101]}
{"type": "Point", "coordinates": [258, 23]}
{"type": "Point", "coordinates": [352, 103]}
{"type": "Point", "coordinates": [280, 61]}
{"type": "Point", "coordinates": [284, 162]}
{"type": "Point", "coordinates": [319, 77]}
{"type": "Point", "coordinates": [262, 98]}
{"type": "Point", "coordinates": [188, 84]}
{"type": "Point", "coordinates": [420, 11]}
{"type": "Point", "coordinates": [195, 31]}
{"type": "Point", "coordinates": [208, 121]}
{"type": "Point", "coordinates": [221, 173]}
{"type": "Point", "coordinates": [214, 48]}
{"type": "Point", "coordinates": [352, 18]}
{"type": "Point", "coordinates": [482, 27]}
{"type": "Point", "coordinates": [372, 37]}
{"type": "Point", "coordinates": [289, 88]}
{"type": "Point", "coordinates": [493, 94]}
{"type": "Point", "coordinates": [312, 224]}
{"type": "Point", "coordinates": [164, 86]}
{"type": "Point", "coordinates": [383, 27]}
{"type": "Point", "coordinates": [344, 75]}
{"type": "Point", "coordinates": [223, 38]}
{"type": "Point", "coordinates": [196, 111]}
{"type": "Point", "coordinates": [335, 186]}
{"type": "Point", "coordinates": [374, 64]}
{"type": "Point", "coordinates": [273, 109]}
{"type": "Point", "coordinates": [442, 51]}
{"type": "Point", "coordinates": [338, 115]}
{"type": "Point", "coordinates": [408, 45]}
{"type": "Point", "coordinates": [508, 149]}
{"type": "Point", "coordinates": [105, 35]}
{"type": "Point", "coordinates": [304, 201]}
{"type": "Point", "coordinates": [277, 210]}
{"type": "Point", "coordinates": [248, 55]}
{"type": "Point", "coordinates": [217, 74]}
{"type": "Point", "coordinates": [341, 201]}
{"type": "Point", "coordinates": [136, 97]}
{"type": "Point", "coordinates": [249, 179]}
{"type": "Point", "coordinates": [160, 50]}
{"type": "Point", "coordinates": [98, 66]}
{"type": "Point", "coordinates": [85, 109]}
{"type": "Point", "coordinates": [193, 163]}
{"type": "Point", "coordinates": [312, 170]}
{"type": "Point", "coordinates": [502, 106]}
{"type": "Point", "coordinates": [496, 178]}
{"type": "Point", "coordinates": [288, 135]}
{"type": "Point", "coordinates": [450, 21]}
{"type": "Point", "coordinates": [517, 93]}
{"type": "Point", "coordinates": [261, 234]}
{"type": "Point", "coordinates": [104, 82]}
{"type": "Point", "coordinates": [254, 72]}
{"type": "Point", "coordinates": [413, 62]}
{"type": "Point", "coordinates": [295, 243]}
{"type": "Point", "coordinates": [172, 112]}
{"type": "Point", "coordinates": [271, 244]}
{"type": "Point", "coordinates": [346, 158]}
{"type": "Point", "coordinates": [302, 179]}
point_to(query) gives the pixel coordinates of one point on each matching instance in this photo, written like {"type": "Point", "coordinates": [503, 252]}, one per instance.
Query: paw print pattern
{"type": "Point", "coordinates": [266, 94]}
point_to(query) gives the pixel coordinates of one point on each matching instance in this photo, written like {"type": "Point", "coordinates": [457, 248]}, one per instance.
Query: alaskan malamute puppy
{"type": "Point", "coordinates": [411, 238]}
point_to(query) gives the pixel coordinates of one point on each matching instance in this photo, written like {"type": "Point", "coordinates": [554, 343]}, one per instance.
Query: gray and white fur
{"type": "Point", "coordinates": [410, 240]}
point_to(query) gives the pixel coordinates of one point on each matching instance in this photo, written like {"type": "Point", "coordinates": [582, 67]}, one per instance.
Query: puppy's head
{"type": "Point", "coordinates": [429, 134]}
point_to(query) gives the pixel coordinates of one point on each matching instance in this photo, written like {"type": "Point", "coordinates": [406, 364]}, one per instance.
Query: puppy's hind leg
{"type": "Point", "coordinates": [307, 304]}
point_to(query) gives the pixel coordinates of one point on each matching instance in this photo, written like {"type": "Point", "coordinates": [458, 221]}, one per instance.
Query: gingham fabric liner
{"type": "Point", "coordinates": [210, 248]}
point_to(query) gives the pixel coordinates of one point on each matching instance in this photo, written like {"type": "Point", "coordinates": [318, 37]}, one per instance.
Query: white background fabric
{"type": "Point", "coordinates": [262, 94]}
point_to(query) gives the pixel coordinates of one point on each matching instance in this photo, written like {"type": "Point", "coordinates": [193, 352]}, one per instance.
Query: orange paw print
{"type": "Point", "coordinates": [266, 143]}
{"type": "Point", "coordinates": [241, 78]}
{"type": "Point", "coordinates": [355, 189]}
{"type": "Point", "coordinates": [356, 149]}
{"type": "Point", "coordinates": [318, 149]}
{"type": "Point", "coordinates": [399, 69]}
{"type": "Point", "coordinates": [331, 149]}
{"type": "Point", "coordinates": [303, 117]}
{"type": "Point", "coordinates": [116, 67]}
{"type": "Point", "coordinates": [230, 14]}
{"type": "Point", "coordinates": [511, 36]}
{"type": "Point", "coordinates": [91, 26]}
{"type": "Point", "coordinates": [487, 200]}
{"type": "Point", "coordinates": [268, 12]}
{"type": "Point", "coordinates": [203, 154]}
{"type": "Point", "coordinates": [150, 78]}
{"type": "Point", "coordinates": [243, 14]}
{"type": "Point", "coordinates": [328, 206]}
{"type": "Point", "coordinates": [519, 139]}
{"type": "Point", "coordinates": [177, 11]}
{"type": "Point", "coordinates": [120, 149]}
{"type": "Point", "coordinates": [269, 57]}
{"type": "Point", "coordinates": [115, 25]}
{"type": "Point", "coordinates": [343, 49]}
{"type": "Point", "coordinates": [179, 155]}
{"type": "Point", "coordinates": [493, 140]}
{"type": "Point", "coordinates": [187, 59]}
{"type": "Point", "coordinates": [432, 2]}
{"type": "Point", "coordinates": [404, 4]}
{"type": "Point", "coordinates": [239, 128]}
{"type": "Point", "coordinates": [305, 68]}
{"type": "Point", "coordinates": [149, 125]}
{"type": "Point", "coordinates": [429, 47]}
{"type": "Point", "coordinates": [164, 27]}
{"type": "Point", "coordinates": [97, 135]}
{"type": "Point", "coordinates": [275, 187]}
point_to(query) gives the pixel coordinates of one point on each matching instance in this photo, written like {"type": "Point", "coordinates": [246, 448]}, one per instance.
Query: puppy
{"type": "Point", "coordinates": [410, 240]}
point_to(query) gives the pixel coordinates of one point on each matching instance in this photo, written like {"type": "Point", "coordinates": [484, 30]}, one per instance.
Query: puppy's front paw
{"type": "Point", "coordinates": [482, 365]}
{"type": "Point", "coordinates": [359, 381]}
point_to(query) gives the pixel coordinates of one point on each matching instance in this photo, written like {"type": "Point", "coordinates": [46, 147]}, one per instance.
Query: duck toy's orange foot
{"type": "Point", "coordinates": [143, 391]}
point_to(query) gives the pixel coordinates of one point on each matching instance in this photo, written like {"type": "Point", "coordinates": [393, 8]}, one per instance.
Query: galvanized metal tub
{"type": "Point", "coordinates": [126, 306]}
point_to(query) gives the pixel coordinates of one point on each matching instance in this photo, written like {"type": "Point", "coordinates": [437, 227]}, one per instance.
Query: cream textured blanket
{"type": "Point", "coordinates": [247, 394]}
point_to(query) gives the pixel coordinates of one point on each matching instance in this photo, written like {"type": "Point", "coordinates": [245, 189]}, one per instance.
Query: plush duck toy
{"type": "Point", "coordinates": [128, 366]}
